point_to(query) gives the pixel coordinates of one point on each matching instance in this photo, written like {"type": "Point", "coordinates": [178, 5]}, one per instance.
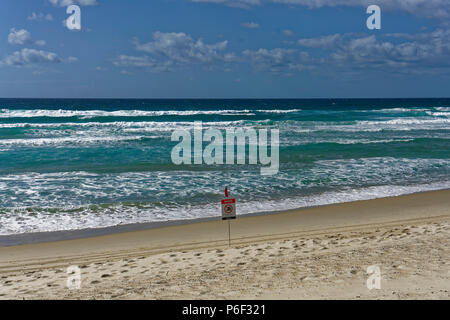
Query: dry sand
{"type": "Point", "coordinates": [312, 253]}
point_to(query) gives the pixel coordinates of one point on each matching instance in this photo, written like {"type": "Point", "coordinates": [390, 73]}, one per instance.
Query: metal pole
{"type": "Point", "coordinates": [229, 236]}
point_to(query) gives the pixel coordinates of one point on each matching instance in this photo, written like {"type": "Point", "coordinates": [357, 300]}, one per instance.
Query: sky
{"type": "Point", "coordinates": [224, 49]}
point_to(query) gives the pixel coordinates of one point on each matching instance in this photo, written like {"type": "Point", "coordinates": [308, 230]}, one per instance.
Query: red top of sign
{"type": "Point", "coordinates": [228, 201]}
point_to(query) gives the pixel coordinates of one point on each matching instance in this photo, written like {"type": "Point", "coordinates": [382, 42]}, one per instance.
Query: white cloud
{"type": "Point", "coordinates": [28, 56]}
{"type": "Point", "coordinates": [288, 33]}
{"type": "Point", "coordinates": [40, 17]}
{"type": "Point", "coordinates": [278, 60]}
{"type": "Point", "coordinates": [250, 25]}
{"type": "Point", "coordinates": [140, 62]}
{"type": "Point", "coordinates": [19, 37]}
{"type": "Point", "coordinates": [65, 3]}
{"type": "Point", "coordinates": [424, 52]}
{"type": "Point", "coordinates": [22, 37]}
{"type": "Point", "coordinates": [420, 53]}
{"type": "Point", "coordinates": [72, 59]}
{"type": "Point", "coordinates": [170, 50]}
{"type": "Point", "coordinates": [40, 42]}
{"type": "Point", "coordinates": [133, 61]}
{"type": "Point", "coordinates": [180, 48]}
{"type": "Point", "coordinates": [323, 42]}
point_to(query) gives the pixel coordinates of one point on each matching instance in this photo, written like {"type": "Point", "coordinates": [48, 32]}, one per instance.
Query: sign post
{"type": "Point", "coordinates": [228, 212]}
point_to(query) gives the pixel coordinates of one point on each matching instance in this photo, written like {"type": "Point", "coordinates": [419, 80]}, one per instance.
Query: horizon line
{"type": "Point", "coordinates": [127, 98]}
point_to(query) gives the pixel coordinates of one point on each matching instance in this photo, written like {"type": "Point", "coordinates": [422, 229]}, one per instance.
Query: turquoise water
{"type": "Point", "coordinates": [74, 164]}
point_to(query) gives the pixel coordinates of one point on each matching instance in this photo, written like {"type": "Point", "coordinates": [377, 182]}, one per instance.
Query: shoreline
{"type": "Point", "coordinates": [212, 232]}
{"type": "Point", "coordinates": [64, 235]}
{"type": "Point", "coordinates": [314, 253]}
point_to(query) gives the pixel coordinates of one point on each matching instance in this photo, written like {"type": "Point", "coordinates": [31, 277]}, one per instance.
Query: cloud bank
{"type": "Point", "coordinates": [168, 50]}
{"type": "Point", "coordinates": [27, 57]}
{"type": "Point", "coordinates": [403, 53]}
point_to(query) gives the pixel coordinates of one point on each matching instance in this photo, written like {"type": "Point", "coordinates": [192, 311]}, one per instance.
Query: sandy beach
{"type": "Point", "coordinates": [312, 253]}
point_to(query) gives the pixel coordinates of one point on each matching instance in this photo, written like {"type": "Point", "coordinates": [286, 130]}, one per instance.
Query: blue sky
{"type": "Point", "coordinates": [225, 49]}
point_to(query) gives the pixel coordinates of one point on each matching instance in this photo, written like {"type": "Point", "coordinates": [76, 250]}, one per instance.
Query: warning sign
{"type": "Point", "coordinates": [228, 209]}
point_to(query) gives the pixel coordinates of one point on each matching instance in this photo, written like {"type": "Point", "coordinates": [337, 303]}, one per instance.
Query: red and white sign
{"type": "Point", "coordinates": [228, 209]}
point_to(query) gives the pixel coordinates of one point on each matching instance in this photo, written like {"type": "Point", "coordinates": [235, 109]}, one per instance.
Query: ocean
{"type": "Point", "coordinates": [70, 164]}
